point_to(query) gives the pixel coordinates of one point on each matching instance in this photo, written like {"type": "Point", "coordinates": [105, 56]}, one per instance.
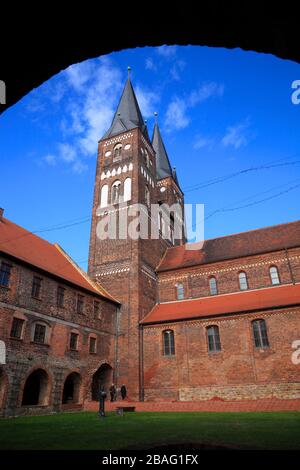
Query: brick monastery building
{"type": "Point", "coordinates": [215, 324]}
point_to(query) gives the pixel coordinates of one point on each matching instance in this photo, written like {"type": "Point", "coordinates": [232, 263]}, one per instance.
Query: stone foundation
{"type": "Point", "coordinates": [281, 391]}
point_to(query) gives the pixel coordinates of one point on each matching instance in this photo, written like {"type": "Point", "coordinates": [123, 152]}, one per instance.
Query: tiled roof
{"type": "Point", "coordinates": [249, 301]}
{"type": "Point", "coordinates": [128, 115]}
{"type": "Point", "coordinates": [264, 240]}
{"type": "Point", "coordinates": [163, 166]}
{"type": "Point", "coordinates": [29, 248]}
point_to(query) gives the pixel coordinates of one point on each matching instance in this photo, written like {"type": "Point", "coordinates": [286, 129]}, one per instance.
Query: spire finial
{"type": "Point", "coordinates": [128, 70]}
{"type": "Point", "coordinates": [155, 114]}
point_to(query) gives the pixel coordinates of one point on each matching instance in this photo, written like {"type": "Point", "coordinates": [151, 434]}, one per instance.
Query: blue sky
{"type": "Point", "coordinates": [220, 111]}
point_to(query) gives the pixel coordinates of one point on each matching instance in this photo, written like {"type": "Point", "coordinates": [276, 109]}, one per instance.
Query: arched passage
{"type": "Point", "coordinates": [226, 25]}
{"type": "Point", "coordinates": [71, 391]}
{"type": "Point", "coordinates": [101, 378]}
{"type": "Point", "coordinates": [36, 389]}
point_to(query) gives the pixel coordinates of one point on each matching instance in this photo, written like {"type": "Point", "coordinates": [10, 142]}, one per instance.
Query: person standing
{"type": "Point", "coordinates": [102, 396]}
{"type": "Point", "coordinates": [113, 392]}
{"type": "Point", "coordinates": [123, 392]}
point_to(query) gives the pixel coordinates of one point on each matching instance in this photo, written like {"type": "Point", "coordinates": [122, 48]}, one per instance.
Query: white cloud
{"type": "Point", "coordinates": [79, 167]}
{"type": "Point", "coordinates": [238, 135]}
{"type": "Point", "coordinates": [98, 105]}
{"type": "Point", "coordinates": [176, 69]}
{"type": "Point", "coordinates": [166, 51]}
{"type": "Point", "coordinates": [147, 101]}
{"type": "Point", "coordinates": [67, 152]}
{"type": "Point", "coordinates": [150, 65]}
{"type": "Point", "coordinates": [78, 74]}
{"type": "Point", "coordinates": [176, 117]}
{"type": "Point", "coordinates": [86, 97]}
{"type": "Point", "coordinates": [50, 159]}
{"type": "Point", "coordinates": [202, 142]}
{"type": "Point", "coordinates": [93, 90]}
{"type": "Point", "coordinates": [204, 92]}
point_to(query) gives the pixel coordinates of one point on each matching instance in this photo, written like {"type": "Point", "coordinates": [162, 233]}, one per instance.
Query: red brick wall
{"type": "Point", "coordinates": [196, 280]}
{"type": "Point", "coordinates": [239, 371]}
{"type": "Point", "coordinates": [55, 356]}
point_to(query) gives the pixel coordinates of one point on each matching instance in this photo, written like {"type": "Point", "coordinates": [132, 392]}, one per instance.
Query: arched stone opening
{"type": "Point", "coordinates": [101, 378]}
{"type": "Point", "coordinates": [226, 25]}
{"type": "Point", "coordinates": [36, 389]}
{"type": "Point", "coordinates": [71, 391]}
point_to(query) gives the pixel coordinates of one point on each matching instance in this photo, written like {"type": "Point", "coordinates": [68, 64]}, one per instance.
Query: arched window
{"type": "Point", "coordinates": [127, 189]}
{"type": "Point", "coordinates": [213, 286]}
{"type": "Point", "coordinates": [168, 343]}
{"type": "Point", "coordinates": [147, 196]}
{"type": "Point", "coordinates": [117, 152]}
{"type": "Point", "coordinates": [180, 291]}
{"type": "Point", "coordinates": [115, 192]}
{"type": "Point", "coordinates": [274, 275]}
{"type": "Point", "coordinates": [213, 339]}
{"type": "Point", "coordinates": [104, 196]}
{"type": "Point", "coordinates": [260, 334]}
{"type": "Point", "coordinates": [243, 281]}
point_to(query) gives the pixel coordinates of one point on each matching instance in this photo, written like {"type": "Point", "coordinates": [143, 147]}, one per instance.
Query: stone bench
{"type": "Point", "coordinates": [120, 410]}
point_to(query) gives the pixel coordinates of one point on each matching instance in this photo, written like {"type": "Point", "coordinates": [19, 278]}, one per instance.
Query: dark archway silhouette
{"type": "Point", "coordinates": [32, 52]}
{"type": "Point", "coordinates": [101, 378]}
{"type": "Point", "coordinates": [36, 389]}
{"type": "Point", "coordinates": [71, 391]}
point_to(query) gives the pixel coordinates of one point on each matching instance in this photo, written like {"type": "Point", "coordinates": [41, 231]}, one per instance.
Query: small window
{"type": "Point", "coordinates": [74, 341]}
{"type": "Point", "coordinates": [97, 310]}
{"type": "Point", "coordinates": [274, 275]}
{"type": "Point", "coordinates": [213, 286]}
{"type": "Point", "coordinates": [17, 328]}
{"type": "Point", "coordinates": [117, 152]}
{"type": "Point", "coordinates": [115, 192]}
{"type": "Point", "coordinates": [260, 334]}
{"type": "Point", "coordinates": [60, 296]}
{"type": "Point", "coordinates": [36, 287]}
{"type": "Point", "coordinates": [127, 189]}
{"type": "Point", "coordinates": [5, 274]}
{"type": "Point", "coordinates": [169, 344]}
{"type": "Point", "coordinates": [80, 303]}
{"type": "Point", "coordinates": [39, 333]}
{"type": "Point", "coordinates": [92, 347]}
{"type": "Point", "coordinates": [213, 339]}
{"type": "Point", "coordinates": [243, 281]}
{"type": "Point", "coordinates": [180, 291]}
{"type": "Point", "coordinates": [104, 196]}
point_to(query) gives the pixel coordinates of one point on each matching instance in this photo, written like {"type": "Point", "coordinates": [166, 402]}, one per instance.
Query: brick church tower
{"type": "Point", "coordinates": [131, 170]}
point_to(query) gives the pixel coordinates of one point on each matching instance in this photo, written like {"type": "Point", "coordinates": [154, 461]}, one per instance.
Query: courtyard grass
{"type": "Point", "coordinates": [77, 431]}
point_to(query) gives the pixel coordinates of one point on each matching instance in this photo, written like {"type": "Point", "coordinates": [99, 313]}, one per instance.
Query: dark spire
{"type": "Point", "coordinates": [128, 115]}
{"type": "Point", "coordinates": [163, 167]}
